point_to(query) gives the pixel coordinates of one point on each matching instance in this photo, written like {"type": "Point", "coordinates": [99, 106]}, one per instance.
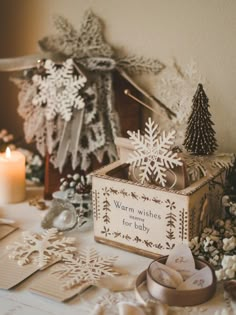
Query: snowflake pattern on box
{"type": "Point", "coordinates": [88, 267]}
{"type": "Point", "coordinates": [153, 153]}
{"type": "Point", "coordinates": [42, 249]}
{"type": "Point", "coordinates": [59, 89]}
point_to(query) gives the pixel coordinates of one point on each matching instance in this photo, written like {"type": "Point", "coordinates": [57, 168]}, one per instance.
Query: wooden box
{"type": "Point", "coordinates": [150, 220]}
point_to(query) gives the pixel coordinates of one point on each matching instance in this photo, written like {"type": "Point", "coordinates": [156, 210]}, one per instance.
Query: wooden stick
{"type": "Point", "coordinates": [169, 112]}
{"type": "Point", "coordinates": [127, 92]}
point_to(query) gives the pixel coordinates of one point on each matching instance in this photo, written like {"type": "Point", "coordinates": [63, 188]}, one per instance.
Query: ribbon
{"type": "Point", "coordinates": [125, 308]}
{"type": "Point", "coordinates": [70, 140]}
{"type": "Point", "coordinates": [172, 296]}
{"type": "Point", "coordinates": [22, 63]}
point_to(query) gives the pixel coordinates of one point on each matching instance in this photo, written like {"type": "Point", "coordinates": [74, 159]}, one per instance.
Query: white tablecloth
{"type": "Point", "coordinates": [19, 301]}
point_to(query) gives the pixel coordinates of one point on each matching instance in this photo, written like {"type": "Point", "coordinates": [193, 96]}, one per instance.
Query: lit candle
{"type": "Point", "coordinates": [12, 176]}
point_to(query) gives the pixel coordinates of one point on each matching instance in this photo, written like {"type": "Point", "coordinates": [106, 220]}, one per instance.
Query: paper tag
{"type": "Point", "coordinates": [201, 279]}
{"type": "Point", "coordinates": [51, 287]}
{"type": "Point", "coordinates": [181, 260]}
{"type": "Point", "coordinates": [165, 275]}
{"type": "Point", "coordinates": [12, 274]}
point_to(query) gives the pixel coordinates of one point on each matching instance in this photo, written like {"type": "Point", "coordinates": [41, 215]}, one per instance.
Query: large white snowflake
{"type": "Point", "coordinates": [42, 248]}
{"type": "Point", "coordinates": [153, 154]}
{"type": "Point", "coordinates": [59, 89]}
{"type": "Point", "coordinates": [88, 268]}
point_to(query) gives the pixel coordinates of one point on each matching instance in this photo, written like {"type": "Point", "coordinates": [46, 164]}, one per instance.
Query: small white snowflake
{"type": "Point", "coordinates": [176, 87]}
{"type": "Point", "coordinates": [88, 268]}
{"type": "Point", "coordinates": [152, 153]}
{"type": "Point", "coordinates": [41, 248]}
{"type": "Point", "coordinates": [58, 90]}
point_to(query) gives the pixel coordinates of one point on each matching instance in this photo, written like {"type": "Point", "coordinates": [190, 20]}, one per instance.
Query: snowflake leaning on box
{"type": "Point", "coordinates": [153, 154]}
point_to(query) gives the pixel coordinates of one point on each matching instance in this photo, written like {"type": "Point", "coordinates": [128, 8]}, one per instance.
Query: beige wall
{"type": "Point", "coordinates": [204, 30]}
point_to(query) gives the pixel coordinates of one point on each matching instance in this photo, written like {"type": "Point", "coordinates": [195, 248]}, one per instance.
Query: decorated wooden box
{"type": "Point", "coordinates": [150, 220]}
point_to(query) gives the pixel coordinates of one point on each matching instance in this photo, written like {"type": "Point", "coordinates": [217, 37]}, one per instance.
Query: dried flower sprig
{"type": "Point", "coordinates": [217, 245]}
{"type": "Point", "coordinates": [6, 140]}
{"type": "Point", "coordinates": [34, 166]}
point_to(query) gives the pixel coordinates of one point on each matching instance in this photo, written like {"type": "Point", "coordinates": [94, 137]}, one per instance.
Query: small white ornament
{"type": "Point", "coordinates": [88, 268]}
{"type": "Point", "coordinates": [42, 249]}
{"type": "Point", "coordinates": [59, 90]}
{"type": "Point", "coordinates": [176, 87]}
{"type": "Point", "coordinates": [153, 154]}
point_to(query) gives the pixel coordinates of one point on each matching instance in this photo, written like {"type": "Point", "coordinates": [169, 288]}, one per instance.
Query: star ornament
{"type": "Point", "coordinates": [153, 155]}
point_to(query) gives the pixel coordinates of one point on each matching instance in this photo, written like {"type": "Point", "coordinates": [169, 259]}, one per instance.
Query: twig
{"type": "Point", "coordinates": [127, 92]}
{"type": "Point", "coordinates": [169, 112]}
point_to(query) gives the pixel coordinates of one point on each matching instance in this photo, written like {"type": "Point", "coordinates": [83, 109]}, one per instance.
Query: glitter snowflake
{"type": "Point", "coordinates": [176, 87]}
{"type": "Point", "coordinates": [153, 155]}
{"type": "Point", "coordinates": [58, 90]}
{"type": "Point", "coordinates": [42, 248]}
{"type": "Point", "coordinates": [88, 268]}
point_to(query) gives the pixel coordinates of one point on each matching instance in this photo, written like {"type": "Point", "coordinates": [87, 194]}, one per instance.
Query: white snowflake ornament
{"type": "Point", "coordinates": [153, 155]}
{"type": "Point", "coordinates": [59, 90]}
{"type": "Point", "coordinates": [42, 249]}
{"type": "Point", "coordinates": [88, 268]}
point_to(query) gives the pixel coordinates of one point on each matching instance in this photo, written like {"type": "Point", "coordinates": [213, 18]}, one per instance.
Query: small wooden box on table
{"type": "Point", "coordinates": [150, 220]}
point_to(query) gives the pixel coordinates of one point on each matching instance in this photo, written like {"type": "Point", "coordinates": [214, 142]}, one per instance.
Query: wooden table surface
{"type": "Point", "coordinates": [20, 301]}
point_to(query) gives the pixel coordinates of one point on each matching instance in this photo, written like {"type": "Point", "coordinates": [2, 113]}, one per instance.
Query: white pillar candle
{"type": "Point", "coordinates": [12, 177]}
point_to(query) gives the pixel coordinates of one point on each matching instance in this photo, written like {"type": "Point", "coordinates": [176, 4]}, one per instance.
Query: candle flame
{"type": "Point", "coordinates": [8, 153]}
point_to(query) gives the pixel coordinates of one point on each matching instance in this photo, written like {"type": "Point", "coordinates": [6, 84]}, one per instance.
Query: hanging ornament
{"type": "Point", "coordinates": [59, 90]}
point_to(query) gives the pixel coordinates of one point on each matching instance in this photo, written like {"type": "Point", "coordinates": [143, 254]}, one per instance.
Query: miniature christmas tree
{"type": "Point", "coordinates": [200, 136]}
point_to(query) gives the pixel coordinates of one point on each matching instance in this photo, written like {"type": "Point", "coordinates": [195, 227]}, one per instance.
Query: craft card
{"type": "Point", "coordinates": [64, 280]}
{"type": "Point", "coordinates": [32, 252]}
